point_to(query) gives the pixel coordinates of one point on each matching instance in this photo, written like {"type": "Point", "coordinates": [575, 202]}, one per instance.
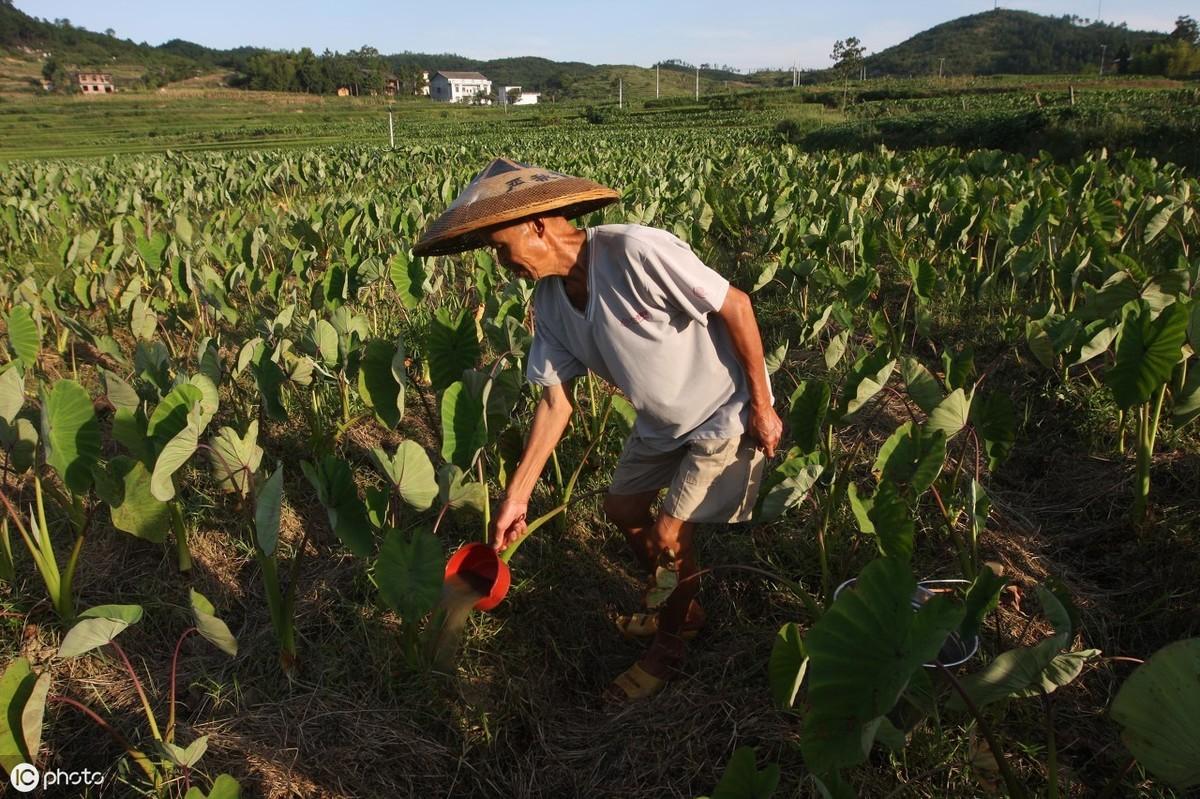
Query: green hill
{"type": "Point", "coordinates": [1013, 42]}
{"type": "Point", "coordinates": [1001, 41]}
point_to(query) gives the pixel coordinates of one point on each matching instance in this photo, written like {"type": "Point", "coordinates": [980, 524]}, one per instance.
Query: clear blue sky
{"type": "Point", "coordinates": [745, 35]}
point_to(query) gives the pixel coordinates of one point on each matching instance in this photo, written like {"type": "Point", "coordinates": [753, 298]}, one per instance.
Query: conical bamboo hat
{"type": "Point", "coordinates": [506, 191]}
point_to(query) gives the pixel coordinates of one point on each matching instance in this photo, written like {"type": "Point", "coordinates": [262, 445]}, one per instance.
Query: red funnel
{"type": "Point", "coordinates": [479, 566]}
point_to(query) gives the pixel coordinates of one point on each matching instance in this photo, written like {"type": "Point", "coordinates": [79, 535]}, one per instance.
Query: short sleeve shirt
{"type": "Point", "coordinates": [647, 330]}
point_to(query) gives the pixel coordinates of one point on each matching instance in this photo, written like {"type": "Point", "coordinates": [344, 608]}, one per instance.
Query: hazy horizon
{"type": "Point", "coordinates": [765, 35]}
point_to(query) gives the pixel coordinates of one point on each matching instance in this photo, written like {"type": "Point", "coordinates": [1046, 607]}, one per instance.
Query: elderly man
{"type": "Point", "coordinates": [634, 305]}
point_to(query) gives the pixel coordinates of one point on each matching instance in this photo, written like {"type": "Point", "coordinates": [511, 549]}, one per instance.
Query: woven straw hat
{"type": "Point", "coordinates": [506, 191]}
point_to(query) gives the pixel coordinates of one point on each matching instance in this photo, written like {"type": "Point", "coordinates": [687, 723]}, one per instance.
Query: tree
{"type": "Point", "coordinates": [110, 33]}
{"type": "Point", "coordinates": [848, 56]}
{"type": "Point", "coordinates": [1187, 30]}
{"type": "Point", "coordinates": [56, 74]}
{"type": "Point", "coordinates": [514, 94]}
{"type": "Point", "coordinates": [1122, 59]}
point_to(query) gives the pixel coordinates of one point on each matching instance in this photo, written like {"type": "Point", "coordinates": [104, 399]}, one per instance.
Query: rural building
{"type": "Point", "coordinates": [343, 91]}
{"type": "Point", "coordinates": [521, 97]}
{"type": "Point", "coordinates": [393, 85]}
{"type": "Point", "coordinates": [459, 87]}
{"type": "Point", "coordinates": [95, 82]}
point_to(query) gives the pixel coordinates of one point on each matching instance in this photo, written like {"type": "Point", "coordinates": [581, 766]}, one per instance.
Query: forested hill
{"type": "Point", "coordinates": [1001, 41]}
{"type": "Point", "coordinates": [1013, 42]}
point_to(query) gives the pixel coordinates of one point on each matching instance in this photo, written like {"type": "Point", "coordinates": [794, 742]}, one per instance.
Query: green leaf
{"type": "Point", "coordinates": [176, 453]}
{"type": "Point", "coordinates": [787, 486]}
{"type": "Point", "coordinates": [381, 380]}
{"type": "Point", "coordinates": [408, 277]}
{"type": "Point", "coordinates": [409, 572]}
{"type": "Point", "coordinates": [16, 688]}
{"type": "Point", "coordinates": [267, 509]}
{"type": "Point", "coordinates": [951, 414]}
{"type": "Point", "coordinates": [122, 395]}
{"type": "Point", "coordinates": [836, 349]}
{"type": "Point", "coordinates": [785, 669]}
{"type": "Point", "coordinates": [186, 758]}
{"type": "Point", "coordinates": [23, 335]}
{"type": "Point", "coordinates": [862, 654]}
{"type": "Point", "coordinates": [776, 357]}
{"type": "Point", "coordinates": [1146, 354]}
{"type": "Point", "coordinates": [995, 421]}
{"type": "Point", "coordinates": [743, 780]}
{"type": "Point", "coordinates": [982, 598]}
{"type": "Point", "coordinates": [152, 250]}
{"type": "Point", "coordinates": [139, 512]}
{"type": "Point", "coordinates": [33, 713]}
{"type": "Point", "coordinates": [453, 346]}
{"type": "Point", "coordinates": [807, 408]}
{"type": "Point", "coordinates": [98, 626]}
{"type": "Point", "coordinates": [452, 490]}
{"type": "Point", "coordinates": [171, 415]}
{"type": "Point", "coordinates": [410, 473]}
{"type": "Point", "coordinates": [869, 375]}
{"type": "Point", "coordinates": [892, 522]}
{"type": "Point", "coordinates": [70, 433]}
{"type": "Point", "coordinates": [234, 458]}
{"type": "Point", "coordinates": [1011, 674]}
{"type": "Point", "coordinates": [1185, 405]}
{"type": "Point", "coordinates": [464, 428]}
{"type": "Point", "coordinates": [1158, 709]}
{"type": "Point", "coordinates": [922, 386]}
{"type": "Point", "coordinates": [911, 456]}
{"type": "Point", "coordinates": [334, 482]}
{"type": "Point", "coordinates": [12, 393]}
{"type": "Point", "coordinates": [212, 628]}
{"type": "Point", "coordinates": [224, 787]}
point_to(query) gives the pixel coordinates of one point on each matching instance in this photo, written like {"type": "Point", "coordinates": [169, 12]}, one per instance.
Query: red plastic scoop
{"type": "Point", "coordinates": [480, 567]}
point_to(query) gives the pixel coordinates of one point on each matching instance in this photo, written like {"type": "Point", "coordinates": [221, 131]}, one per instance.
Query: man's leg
{"type": "Point", "coordinates": [631, 514]}
{"type": "Point", "coordinates": [666, 653]}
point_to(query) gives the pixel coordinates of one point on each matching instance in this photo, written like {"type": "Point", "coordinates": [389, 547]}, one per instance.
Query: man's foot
{"type": "Point", "coordinates": [645, 624]}
{"type": "Point", "coordinates": [649, 675]}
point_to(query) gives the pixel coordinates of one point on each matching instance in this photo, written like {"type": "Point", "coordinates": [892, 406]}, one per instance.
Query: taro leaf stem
{"type": "Point", "coordinates": [179, 527]}
{"type": "Point", "coordinates": [174, 669]}
{"type": "Point", "coordinates": [137, 756]}
{"type": "Point", "coordinates": [1015, 789]}
{"type": "Point", "coordinates": [137, 684]}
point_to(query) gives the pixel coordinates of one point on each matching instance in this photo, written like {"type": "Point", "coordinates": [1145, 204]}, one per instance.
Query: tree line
{"type": "Point", "coordinates": [362, 72]}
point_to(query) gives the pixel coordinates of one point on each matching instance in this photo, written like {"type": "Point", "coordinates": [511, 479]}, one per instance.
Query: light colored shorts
{"type": "Point", "coordinates": [711, 480]}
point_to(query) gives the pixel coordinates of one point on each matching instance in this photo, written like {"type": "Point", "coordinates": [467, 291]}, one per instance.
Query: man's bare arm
{"type": "Point", "coordinates": [738, 316]}
{"type": "Point", "coordinates": [550, 419]}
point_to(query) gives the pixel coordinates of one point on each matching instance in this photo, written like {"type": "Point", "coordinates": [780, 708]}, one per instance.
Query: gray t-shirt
{"type": "Point", "coordinates": [646, 329]}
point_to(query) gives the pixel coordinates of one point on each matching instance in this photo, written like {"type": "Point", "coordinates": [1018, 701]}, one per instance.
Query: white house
{"type": "Point", "coordinates": [459, 87]}
{"type": "Point", "coordinates": [522, 97]}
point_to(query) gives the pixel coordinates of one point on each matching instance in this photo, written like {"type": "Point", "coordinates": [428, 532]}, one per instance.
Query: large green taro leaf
{"type": "Point", "coordinates": [410, 472]}
{"type": "Point", "coordinates": [70, 433]}
{"type": "Point", "coordinates": [139, 513]}
{"type": "Point", "coordinates": [381, 380]}
{"type": "Point", "coordinates": [862, 653]}
{"type": "Point", "coordinates": [409, 572]}
{"type": "Point", "coordinates": [453, 346]}
{"type": "Point", "coordinates": [1158, 709]}
{"type": "Point", "coordinates": [464, 422]}
{"type": "Point", "coordinates": [96, 627]}
{"type": "Point", "coordinates": [1146, 353]}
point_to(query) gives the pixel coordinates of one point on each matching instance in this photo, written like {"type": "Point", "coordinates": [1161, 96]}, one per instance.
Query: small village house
{"type": "Point", "coordinates": [460, 87]}
{"type": "Point", "coordinates": [95, 82]}
{"type": "Point", "coordinates": [514, 95]}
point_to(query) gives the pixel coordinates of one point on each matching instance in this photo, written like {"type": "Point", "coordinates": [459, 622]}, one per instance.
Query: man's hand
{"type": "Point", "coordinates": [508, 525]}
{"type": "Point", "coordinates": [766, 427]}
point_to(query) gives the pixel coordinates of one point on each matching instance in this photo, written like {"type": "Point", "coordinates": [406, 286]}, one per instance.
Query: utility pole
{"type": "Point", "coordinates": [941, 65]}
{"type": "Point", "coordinates": [697, 84]}
{"type": "Point", "coordinates": [656, 95]}
{"type": "Point", "coordinates": [1103, 48]}
{"type": "Point", "coordinates": [391, 132]}
{"type": "Point", "coordinates": [620, 93]}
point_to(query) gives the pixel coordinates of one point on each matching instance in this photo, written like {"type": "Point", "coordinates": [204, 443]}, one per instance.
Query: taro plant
{"type": "Point", "coordinates": [70, 446]}
{"type": "Point", "coordinates": [24, 696]}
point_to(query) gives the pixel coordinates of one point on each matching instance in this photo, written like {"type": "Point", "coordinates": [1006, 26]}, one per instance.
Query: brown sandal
{"type": "Point", "coordinates": [634, 684]}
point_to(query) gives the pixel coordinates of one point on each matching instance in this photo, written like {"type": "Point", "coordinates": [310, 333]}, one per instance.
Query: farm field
{"type": "Point", "coordinates": [232, 400]}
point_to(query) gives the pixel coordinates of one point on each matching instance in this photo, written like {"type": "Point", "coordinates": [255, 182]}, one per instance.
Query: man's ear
{"type": "Point", "coordinates": [539, 226]}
